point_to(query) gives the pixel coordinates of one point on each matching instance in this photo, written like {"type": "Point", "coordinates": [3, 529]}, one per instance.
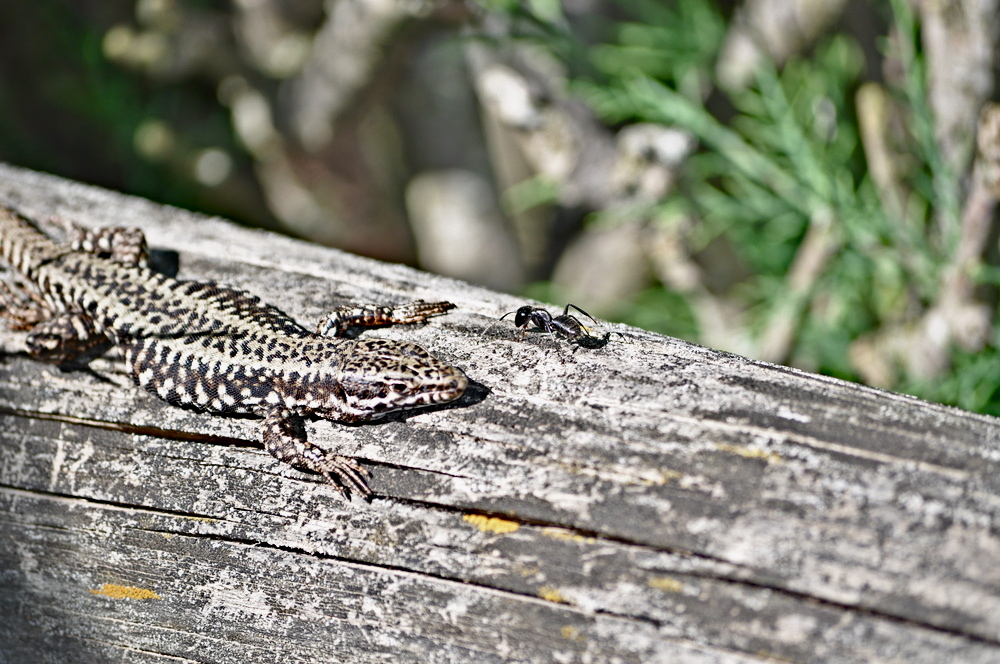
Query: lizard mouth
{"type": "Point", "coordinates": [448, 386]}
{"type": "Point", "coordinates": [451, 390]}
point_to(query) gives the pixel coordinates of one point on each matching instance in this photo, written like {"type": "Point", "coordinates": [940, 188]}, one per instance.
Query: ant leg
{"type": "Point", "coordinates": [566, 311]}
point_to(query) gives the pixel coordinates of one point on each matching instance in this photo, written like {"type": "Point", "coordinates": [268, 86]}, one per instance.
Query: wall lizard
{"type": "Point", "coordinates": [213, 348]}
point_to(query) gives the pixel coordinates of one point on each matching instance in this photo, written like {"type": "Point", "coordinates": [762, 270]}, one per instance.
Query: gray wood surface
{"type": "Point", "coordinates": [649, 501]}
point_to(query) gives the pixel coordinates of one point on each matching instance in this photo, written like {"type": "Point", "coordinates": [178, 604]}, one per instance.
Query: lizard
{"type": "Point", "coordinates": [214, 348]}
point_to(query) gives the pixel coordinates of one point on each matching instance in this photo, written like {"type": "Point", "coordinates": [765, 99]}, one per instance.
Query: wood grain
{"type": "Point", "coordinates": [649, 501]}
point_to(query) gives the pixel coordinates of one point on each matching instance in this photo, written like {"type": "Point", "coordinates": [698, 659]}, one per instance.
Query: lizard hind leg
{"type": "Point", "coordinates": [348, 320]}
{"type": "Point", "coordinates": [121, 244]}
{"type": "Point", "coordinates": [284, 436]}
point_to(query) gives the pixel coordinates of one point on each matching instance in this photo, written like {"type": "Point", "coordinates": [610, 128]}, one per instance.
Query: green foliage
{"type": "Point", "coordinates": [972, 384]}
{"type": "Point", "coordinates": [674, 43]}
{"type": "Point", "coordinates": [944, 187]}
{"type": "Point", "coordinates": [788, 159]}
{"type": "Point", "coordinates": [663, 311]}
{"type": "Point", "coordinates": [788, 162]}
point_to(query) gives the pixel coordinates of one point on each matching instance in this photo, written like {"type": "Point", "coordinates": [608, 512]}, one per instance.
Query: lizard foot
{"type": "Point", "coordinates": [283, 433]}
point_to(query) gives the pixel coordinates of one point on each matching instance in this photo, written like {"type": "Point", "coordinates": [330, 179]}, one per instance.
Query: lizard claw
{"type": "Point", "coordinates": [346, 474]}
{"type": "Point", "coordinates": [284, 438]}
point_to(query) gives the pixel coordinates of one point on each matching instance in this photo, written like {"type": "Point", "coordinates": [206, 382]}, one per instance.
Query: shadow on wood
{"type": "Point", "coordinates": [646, 501]}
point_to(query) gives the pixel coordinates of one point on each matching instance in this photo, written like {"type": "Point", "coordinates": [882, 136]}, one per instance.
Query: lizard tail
{"type": "Point", "coordinates": [22, 245]}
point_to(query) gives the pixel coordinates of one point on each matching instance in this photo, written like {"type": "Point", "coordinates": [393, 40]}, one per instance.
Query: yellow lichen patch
{"type": "Point", "coordinates": [566, 535]}
{"type": "Point", "coordinates": [526, 571]}
{"type": "Point", "coordinates": [749, 452]}
{"type": "Point", "coordinates": [114, 591]}
{"type": "Point", "coordinates": [666, 583]}
{"type": "Point", "coordinates": [550, 594]}
{"type": "Point", "coordinates": [570, 633]}
{"type": "Point", "coordinates": [662, 476]}
{"type": "Point", "coordinates": [491, 524]}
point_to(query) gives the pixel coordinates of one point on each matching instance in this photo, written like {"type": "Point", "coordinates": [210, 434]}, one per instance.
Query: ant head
{"type": "Point", "coordinates": [521, 316]}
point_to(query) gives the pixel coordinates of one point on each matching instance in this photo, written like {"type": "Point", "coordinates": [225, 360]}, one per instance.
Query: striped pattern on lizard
{"type": "Point", "coordinates": [218, 349]}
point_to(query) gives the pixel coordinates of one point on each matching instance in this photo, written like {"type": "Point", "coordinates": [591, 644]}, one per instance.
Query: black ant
{"type": "Point", "coordinates": [565, 325]}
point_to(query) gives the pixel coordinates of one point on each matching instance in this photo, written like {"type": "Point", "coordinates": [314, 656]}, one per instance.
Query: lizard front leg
{"type": "Point", "coordinates": [284, 436]}
{"type": "Point", "coordinates": [22, 306]}
{"type": "Point", "coordinates": [342, 321]}
{"type": "Point", "coordinates": [66, 338]}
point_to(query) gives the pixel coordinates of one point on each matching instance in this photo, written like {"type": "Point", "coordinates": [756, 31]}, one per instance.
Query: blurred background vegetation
{"type": "Point", "coordinates": [810, 182]}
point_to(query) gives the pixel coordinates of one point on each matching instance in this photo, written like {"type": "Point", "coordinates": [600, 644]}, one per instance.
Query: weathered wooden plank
{"type": "Point", "coordinates": [114, 583]}
{"type": "Point", "coordinates": [684, 595]}
{"type": "Point", "coordinates": [647, 501]}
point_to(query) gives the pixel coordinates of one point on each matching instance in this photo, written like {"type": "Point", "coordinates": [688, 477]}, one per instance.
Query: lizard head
{"type": "Point", "coordinates": [384, 376]}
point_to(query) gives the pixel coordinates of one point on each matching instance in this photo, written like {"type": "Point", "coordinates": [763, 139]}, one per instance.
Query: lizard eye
{"type": "Point", "coordinates": [399, 387]}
